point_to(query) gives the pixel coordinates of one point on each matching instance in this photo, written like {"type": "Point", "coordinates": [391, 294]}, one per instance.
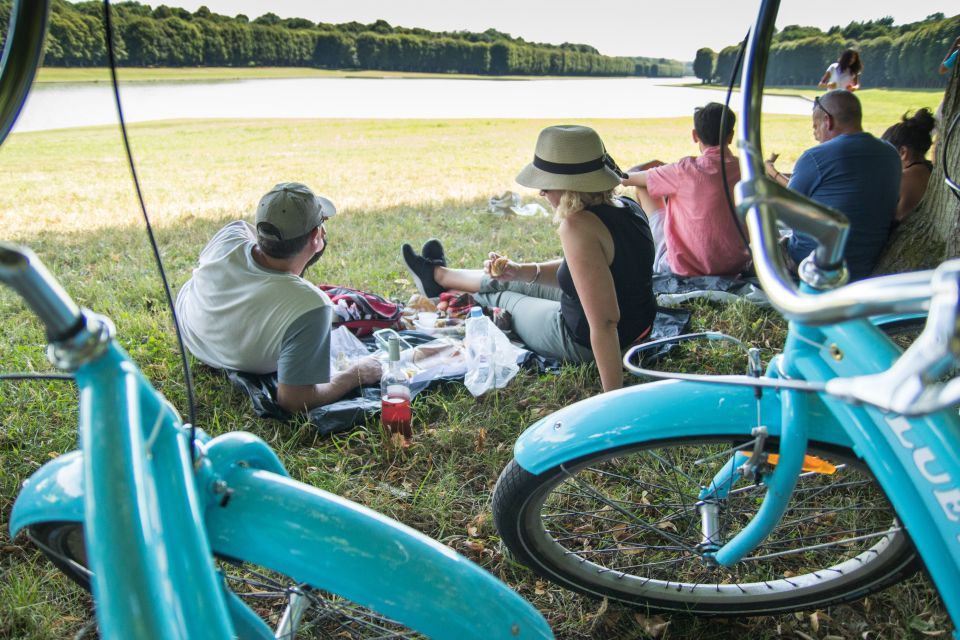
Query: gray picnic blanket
{"type": "Point", "coordinates": [671, 289]}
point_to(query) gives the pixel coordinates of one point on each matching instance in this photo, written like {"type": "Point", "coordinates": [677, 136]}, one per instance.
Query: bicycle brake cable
{"type": "Point", "coordinates": [188, 378]}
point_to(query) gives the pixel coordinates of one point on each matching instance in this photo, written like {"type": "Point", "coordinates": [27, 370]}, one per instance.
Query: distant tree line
{"type": "Point", "coordinates": [174, 37]}
{"type": "Point", "coordinates": [893, 55]}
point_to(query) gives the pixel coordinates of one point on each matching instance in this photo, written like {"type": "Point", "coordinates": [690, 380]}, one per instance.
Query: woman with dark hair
{"type": "Point", "coordinates": [844, 73]}
{"type": "Point", "coordinates": [912, 139]}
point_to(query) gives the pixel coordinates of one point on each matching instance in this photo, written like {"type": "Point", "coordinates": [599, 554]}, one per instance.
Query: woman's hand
{"type": "Point", "coordinates": [501, 267]}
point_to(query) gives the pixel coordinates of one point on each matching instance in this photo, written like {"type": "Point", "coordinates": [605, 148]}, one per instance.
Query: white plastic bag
{"type": "Point", "coordinates": [508, 203]}
{"type": "Point", "coordinates": [504, 361]}
{"type": "Point", "coordinates": [345, 349]}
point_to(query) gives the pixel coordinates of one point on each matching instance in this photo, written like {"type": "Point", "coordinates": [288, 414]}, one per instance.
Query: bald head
{"type": "Point", "coordinates": [844, 108]}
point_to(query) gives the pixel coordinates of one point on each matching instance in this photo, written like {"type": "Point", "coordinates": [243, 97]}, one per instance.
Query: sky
{"type": "Point", "coordinates": [664, 28]}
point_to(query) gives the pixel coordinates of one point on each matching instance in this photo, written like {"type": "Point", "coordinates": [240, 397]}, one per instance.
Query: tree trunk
{"type": "Point", "coordinates": [932, 233]}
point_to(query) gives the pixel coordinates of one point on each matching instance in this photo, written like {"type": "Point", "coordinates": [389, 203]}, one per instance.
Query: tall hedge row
{"type": "Point", "coordinates": [169, 36]}
{"type": "Point", "coordinates": [905, 56]}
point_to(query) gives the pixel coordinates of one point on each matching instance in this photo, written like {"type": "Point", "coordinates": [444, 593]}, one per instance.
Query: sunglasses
{"type": "Point", "coordinates": [817, 103]}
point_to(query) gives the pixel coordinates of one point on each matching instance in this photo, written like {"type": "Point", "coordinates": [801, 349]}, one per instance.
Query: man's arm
{"type": "Point", "coordinates": [945, 65]}
{"type": "Point", "coordinates": [300, 397]}
{"type": "Point", "coordinates": [303, 366]}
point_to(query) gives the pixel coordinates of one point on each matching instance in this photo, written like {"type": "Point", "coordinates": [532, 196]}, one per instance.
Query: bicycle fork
{"type": "Point", "coordinates": [780, 485]}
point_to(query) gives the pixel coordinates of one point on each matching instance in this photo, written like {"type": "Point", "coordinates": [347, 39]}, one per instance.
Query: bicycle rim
{"type": "Point", "coordinates": [626, 525]}
{"type": "Point", "coordinates": [295, 610]}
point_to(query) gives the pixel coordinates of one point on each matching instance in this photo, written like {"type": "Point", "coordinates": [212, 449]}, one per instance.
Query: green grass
{"type": "Point", "coordinates": [68, 196]}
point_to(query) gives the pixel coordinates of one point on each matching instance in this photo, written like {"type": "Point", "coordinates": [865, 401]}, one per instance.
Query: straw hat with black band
{"type": "Point", "coordinates": [571, 158]}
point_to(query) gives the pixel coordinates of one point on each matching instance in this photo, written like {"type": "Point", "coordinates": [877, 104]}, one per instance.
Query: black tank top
{"type": "Point", "coordinates": [632, 271]}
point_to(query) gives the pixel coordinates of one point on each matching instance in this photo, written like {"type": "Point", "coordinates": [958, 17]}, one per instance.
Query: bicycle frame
{"type": "Point", "coordinates": [144, 506]}
{"type": "Point", "coordinates": [154, 516]}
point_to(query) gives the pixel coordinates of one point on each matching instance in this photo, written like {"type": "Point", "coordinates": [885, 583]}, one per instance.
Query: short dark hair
{"type": "Point", "coordinates": [706, 122]}
{"type": "Point", "coordinates": [913, 132]}
{"type": "Point", "coordinates": [281, 249]}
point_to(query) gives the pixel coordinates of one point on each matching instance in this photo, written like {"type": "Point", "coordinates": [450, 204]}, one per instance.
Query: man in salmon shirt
{"type": "Point", "coordinates": [693, 228]}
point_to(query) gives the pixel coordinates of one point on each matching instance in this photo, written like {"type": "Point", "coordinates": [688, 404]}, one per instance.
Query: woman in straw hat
{"type": "Point", "coordinates": [595, 301]}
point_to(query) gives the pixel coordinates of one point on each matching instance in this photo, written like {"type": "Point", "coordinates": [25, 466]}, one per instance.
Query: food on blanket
{"type": "Point", "coordinates": [445, 322]}
{"type": "Point", "coordinates": [442, 306]}
{"type": "Point", "coordinates": [497, 266]}
{"type": "Point", "coordinates": [421, 303]}
{"type": "Point", "coordinates": [438, 352]}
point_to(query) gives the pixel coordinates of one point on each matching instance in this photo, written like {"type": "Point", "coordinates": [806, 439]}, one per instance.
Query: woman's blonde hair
{"type": "Point", "coordinates": [573, 201]}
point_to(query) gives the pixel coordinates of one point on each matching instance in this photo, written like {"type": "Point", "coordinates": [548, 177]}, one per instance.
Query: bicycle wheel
{"type": "Point", "coordinates": [278, 600]}
{"type": "Point", "coordinates": [625, 524]}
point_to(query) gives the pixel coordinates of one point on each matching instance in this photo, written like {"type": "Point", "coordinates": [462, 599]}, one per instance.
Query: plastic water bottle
{"type": "Point", "coordinates": [395, 412]}
{"type": "Point", "coordinates": [481, 347]}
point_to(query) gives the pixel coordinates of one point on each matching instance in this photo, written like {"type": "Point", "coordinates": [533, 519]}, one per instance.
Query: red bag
{"type": "Point", "coordinates": [361, 312]}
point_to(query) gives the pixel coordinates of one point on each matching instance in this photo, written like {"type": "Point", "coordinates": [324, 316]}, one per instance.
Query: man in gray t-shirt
{"type": "Point", "coordinates": [248, 308]}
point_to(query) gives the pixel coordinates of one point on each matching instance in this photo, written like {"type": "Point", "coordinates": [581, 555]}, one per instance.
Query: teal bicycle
{"type": "Point", "coordinates": [829, 474]}
{"type": "Point", "coordinates": [180, 535]}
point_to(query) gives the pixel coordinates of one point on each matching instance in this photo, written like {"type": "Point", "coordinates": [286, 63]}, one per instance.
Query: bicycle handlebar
{"type": "Point", "coordinates": [761, 202]}
{"type": "Point", "coordinates": [23, 271]}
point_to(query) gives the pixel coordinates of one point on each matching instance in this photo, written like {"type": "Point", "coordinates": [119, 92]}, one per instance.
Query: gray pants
{"type": "Point", "coordinates": [536, 317]}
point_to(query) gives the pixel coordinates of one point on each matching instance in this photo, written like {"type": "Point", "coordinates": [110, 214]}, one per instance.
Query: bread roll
{"type": "Point", "coordinates": [498, 265]}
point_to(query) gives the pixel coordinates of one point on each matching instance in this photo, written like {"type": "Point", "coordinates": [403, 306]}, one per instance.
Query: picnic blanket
{"type": "Point", "coordinates": [673, 289]}
{"type": "Point", "coordinates": [364, 402]}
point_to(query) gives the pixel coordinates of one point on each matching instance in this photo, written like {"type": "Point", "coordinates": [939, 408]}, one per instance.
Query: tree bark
{"type": "Point", "coordinates": [932, 233]}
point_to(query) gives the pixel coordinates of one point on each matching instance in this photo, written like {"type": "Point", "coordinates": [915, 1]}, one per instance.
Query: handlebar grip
{"type": "Point", "coordinates": [22, 270]}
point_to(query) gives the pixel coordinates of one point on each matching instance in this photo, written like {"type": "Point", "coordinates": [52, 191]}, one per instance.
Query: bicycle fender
{"type": "Point", "coordinates": [655, 411]}
{"type": "Point", "coordinates": [53, 493]}
{"type": "Point", "coordinates": [331, 543]}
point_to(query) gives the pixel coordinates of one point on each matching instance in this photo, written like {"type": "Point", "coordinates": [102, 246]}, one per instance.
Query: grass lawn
{"type": "Point", "coordinates": [68, 195]}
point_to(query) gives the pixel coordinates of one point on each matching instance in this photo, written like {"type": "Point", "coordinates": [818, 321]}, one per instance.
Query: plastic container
{"type": "Point", "coordinates": [481, 353]}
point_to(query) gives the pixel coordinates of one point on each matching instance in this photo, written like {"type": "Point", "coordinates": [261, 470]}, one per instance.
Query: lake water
{"type": "Point", "coordinates": [56, 106]}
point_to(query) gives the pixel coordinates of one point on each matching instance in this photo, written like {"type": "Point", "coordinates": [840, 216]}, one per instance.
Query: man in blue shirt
{"type": "Point", "coordinates": [850, 171]}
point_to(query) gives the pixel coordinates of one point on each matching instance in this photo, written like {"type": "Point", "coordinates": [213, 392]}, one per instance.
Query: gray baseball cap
{"type": "Point", "coordinates": [291, 210]}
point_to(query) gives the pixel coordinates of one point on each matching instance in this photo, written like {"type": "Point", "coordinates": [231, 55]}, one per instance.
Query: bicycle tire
{"type": "Point", "coordinates": [642, 550]}
{"type": "Point", "coordinates": [266, 592]}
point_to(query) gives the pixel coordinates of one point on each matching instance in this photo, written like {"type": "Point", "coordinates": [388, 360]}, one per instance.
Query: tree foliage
{"type": "Point", "coordinates": [172, 36]}
{"type": "Point", "coordinates": [893, 55]}
{"type": "Point", "coordinates": [705, 64]}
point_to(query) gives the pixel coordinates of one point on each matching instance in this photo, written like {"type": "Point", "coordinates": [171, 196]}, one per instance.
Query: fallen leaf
{"type": "Point", "coordinates": [653, 626]}
{"type": "Point", "coordinates": [481, 438]}
{"type": "Point", "coordinates": [474, 545]}
{"type": "Point", "coordinates": [814, 622]}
